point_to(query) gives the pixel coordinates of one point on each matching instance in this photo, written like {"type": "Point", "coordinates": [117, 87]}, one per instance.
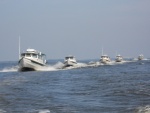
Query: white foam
{"type": "Point", "coordinates": [2, 111]}
{"type": "Point", "coordinates": [81, 65]}
{"type": "Point", "coordinates": [145, 109]}
{"type": "Point", "coordinates": [146, 59]}
{"type": "Point", "coordinates": [84, 65]}
{"type": "Point", "coordinates": [135, 59]}
{"type": "Point", "coordinates": [59, 65]}
{"type": "Point", "coordinates": [47, 68]}
{"type": "Point", "coordinates": [44, 111]}
{"type": "Point", "coordinates": [10, 69]}
{"type": "Point", "coordinates": [94, 64]}
{"type": "Point", "coordinates": [55, 67]}
{"type": "Point", "coordinates": [39, 111]}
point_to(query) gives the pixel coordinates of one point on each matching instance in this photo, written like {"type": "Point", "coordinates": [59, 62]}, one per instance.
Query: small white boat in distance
{"type": "Point", "coordinates": [31, 60]}
{"type": "Point", "coordinates": [70, 61]}
{"type": "Point", "coordinates": [119, 58]}
{"type": "Point", "coordinates": [141, 57]}
{"type": "Point", "coordinates": [105, 59]}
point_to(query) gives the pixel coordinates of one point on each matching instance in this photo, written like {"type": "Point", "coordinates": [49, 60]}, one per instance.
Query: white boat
{"type": "Point", "coordinates": [31, 60]}
{"type": "Point", "coordinates": [70, 61]}
{"type": "Point", "coordinates": [141, 57]}
{"type": "Point", "coordinates": [105, 59]}
{"type": "Point", "coordinates": [119, 58]}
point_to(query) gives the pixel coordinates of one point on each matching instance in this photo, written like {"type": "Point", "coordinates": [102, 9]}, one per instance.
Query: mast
{"type": "Point", "coordinates": [19, 47]}
{"type": "Point", "coordinates": [102, 50]}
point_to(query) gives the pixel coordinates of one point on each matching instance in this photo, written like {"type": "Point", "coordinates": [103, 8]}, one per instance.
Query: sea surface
{"type": "Point", "coordinates": [87, 88]}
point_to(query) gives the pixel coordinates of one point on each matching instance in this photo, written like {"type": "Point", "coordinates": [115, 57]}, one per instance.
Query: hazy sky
{"type": "Point", "coordinates": [75, 27]}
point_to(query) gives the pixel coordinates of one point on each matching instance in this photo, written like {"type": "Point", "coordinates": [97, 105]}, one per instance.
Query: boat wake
{"type": "Point", "coordinates": [143, 109]}
{"type": "Point", "coordinates": [39, 111]}
{"type": "Point", "coordinates": [135, 59]}
{"type": "Point", "coordinates": [32, 111]}
{"type": "Point", "coordinates": [10, 69]}
{"type": "Point", "coordinates": [47, 68]}
{"type": "Point", "coordinates": [2, 111]}
{"type": "Point", "coordinates": [61, 66]}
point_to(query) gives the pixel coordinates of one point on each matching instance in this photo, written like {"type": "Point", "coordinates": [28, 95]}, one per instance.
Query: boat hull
{"type": "Point", "coordinates": [140, 58]}
{"type": "Point", "coordinates": [26, 64]}
{"type": "Point", "coordinates": [119, 60]}
{"type": "Point", "coordinates": [69, 63]}
{"type": "Point", "coordinates": [105, 61]}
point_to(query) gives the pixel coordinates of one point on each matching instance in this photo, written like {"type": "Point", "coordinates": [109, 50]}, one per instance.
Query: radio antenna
{"type": "Point", "coordinates": [19, 46]}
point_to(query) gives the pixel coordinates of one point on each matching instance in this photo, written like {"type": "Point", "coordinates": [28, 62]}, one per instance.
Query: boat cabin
{"type": "Point", "coordinates": [140, 57]}
{"type": "Point", "coordinates": [119, 56]}
{"type": "Point", "coordinates": [31, 53]}
{"type": "Point", "coordinates": [69, 57]}
{"type": "Point", "coordinates": [104, 56]}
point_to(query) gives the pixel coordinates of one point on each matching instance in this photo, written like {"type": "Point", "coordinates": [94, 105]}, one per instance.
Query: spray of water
{"type": "Point", "coordinates": [60, 66]}
{"type": "Point", "coordinates": [39, 111]}
{"type": "Point", "coordinates": [143, 109]}
{"type": "Point", "coordinates": [10, 69]}
{"type": "Point", "coordinates": [2, 111]}
{"type": "Point", "coordinates": [47, 68]}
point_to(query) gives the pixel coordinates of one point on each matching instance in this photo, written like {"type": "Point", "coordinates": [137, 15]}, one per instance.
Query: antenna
{"type": "Point", "coordinates": [19, 46]}
{"type": "Point", "coordinates": [102, 50]}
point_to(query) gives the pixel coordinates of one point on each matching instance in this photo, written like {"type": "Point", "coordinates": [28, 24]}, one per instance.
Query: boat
{"type": "Point", "coordinates": [119, 58]}
{"type": "Point", "coordinates": [140, 57]}
{"type": "Point", "coordinates": [70, 61]}
{"type": "Point", "coordinates": [31, 60]}
{"type": "Point", "coordinates": [105, 59]}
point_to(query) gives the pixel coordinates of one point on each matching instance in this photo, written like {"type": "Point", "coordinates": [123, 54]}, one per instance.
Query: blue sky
{"type": "Point", "coordinates": [75, 27]}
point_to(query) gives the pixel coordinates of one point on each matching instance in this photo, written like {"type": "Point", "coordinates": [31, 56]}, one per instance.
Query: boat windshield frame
{"type": "Point", "coordinates": [104, 56]}
{"type": "Point", "coordinates": [34, 55]}
{"type": "Point", "coordinates": [69, 57]}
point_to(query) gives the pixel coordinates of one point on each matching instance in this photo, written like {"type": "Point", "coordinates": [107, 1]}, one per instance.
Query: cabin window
{"type": "Point", "coordinates": [43, 56]}
{"type": "Point", "coordinates": [68, 58]}
{"type": "Point", "coordinates": [40, 57]}
{"type": "Point", "coordinates": [22, 55]}
{"type": "Point", "coordinates": [28, 55]}
{"type": "Point", "coordinates": [34, 55]}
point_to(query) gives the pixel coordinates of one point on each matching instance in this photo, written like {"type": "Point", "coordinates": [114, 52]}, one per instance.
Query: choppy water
{"type": "Point", "coordinates": [116, 88]}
